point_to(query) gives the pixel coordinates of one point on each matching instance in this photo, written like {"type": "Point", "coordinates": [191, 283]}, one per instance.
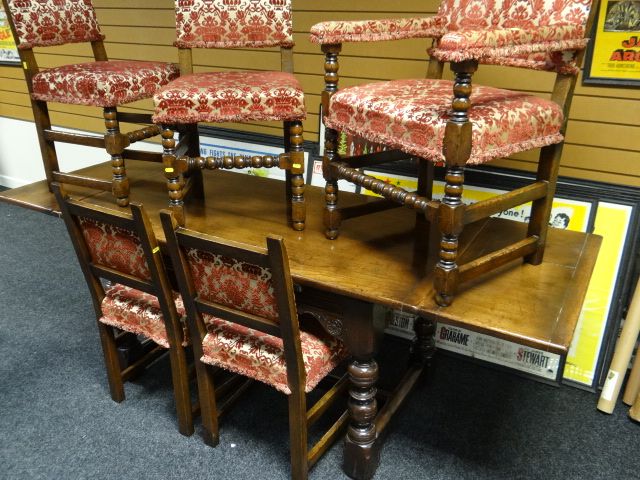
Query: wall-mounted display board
{"type": "Point", "coordinates": [613, 54]}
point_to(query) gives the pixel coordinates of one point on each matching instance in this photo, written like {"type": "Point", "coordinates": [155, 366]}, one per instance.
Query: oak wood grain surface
{"type": "Point", "coordinates": [385, 258]}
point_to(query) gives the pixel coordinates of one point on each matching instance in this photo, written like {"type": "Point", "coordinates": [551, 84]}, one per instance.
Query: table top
{"type": "Point", "coordinates": [385, 258]}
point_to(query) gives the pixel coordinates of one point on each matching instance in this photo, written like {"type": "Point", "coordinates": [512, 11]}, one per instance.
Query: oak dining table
{"type": "Point", "coordinates": [381, 261]}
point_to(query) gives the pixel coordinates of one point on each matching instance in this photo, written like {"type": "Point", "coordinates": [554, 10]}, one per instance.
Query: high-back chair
{"type": "Point", "coordinates": [242, 317]}
{"type": "Point", "coordinates": [438, 120]}
{"type": "Point", "coordinates": [122, 249]}
{"type": "Point", "coordinates": [101, 83]}
{"type": "Point", "coordinates": [233, 96]}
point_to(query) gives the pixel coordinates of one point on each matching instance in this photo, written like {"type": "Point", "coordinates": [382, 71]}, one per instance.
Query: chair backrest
{"type": "Point", "coordinates": [42, 23]}
{"type": "Point", "coordinates": [119, 247]}
{"type": "Point", "coordinates": [233, 23]}
{"type": "Point", "coordinates": [239, 283]}
{"type": "Point", "coordinates": [482, 14]}
{"type": "Point", "coordinates": [487, 14]}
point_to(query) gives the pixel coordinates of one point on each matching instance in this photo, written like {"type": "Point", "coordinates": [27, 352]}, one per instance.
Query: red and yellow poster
{"type": "Point", "coordinates": [8, 50]}
{"type": "Point", "coordinates": [613, 56]}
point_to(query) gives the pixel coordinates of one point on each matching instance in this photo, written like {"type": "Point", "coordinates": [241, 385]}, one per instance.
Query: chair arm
{"type": "Point", "coordinates": [507, 42]}
{"type": "Point", "coordinates": [375, 30]}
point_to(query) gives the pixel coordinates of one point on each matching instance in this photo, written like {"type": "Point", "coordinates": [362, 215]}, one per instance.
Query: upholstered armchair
{"type": "Point", "coordinates": [232, 96]}
{"type": "Point", "coordinates": [101, 83]}
{"type": "Point", "coordinates": [455, 122]}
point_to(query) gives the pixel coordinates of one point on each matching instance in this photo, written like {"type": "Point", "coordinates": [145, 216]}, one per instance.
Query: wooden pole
{"type": "Point", "coordinates": [633, 383]}
{"type": "Point", "coordinates": [634, 411]}
{"type": "Point", "coordinates": [621, 356]}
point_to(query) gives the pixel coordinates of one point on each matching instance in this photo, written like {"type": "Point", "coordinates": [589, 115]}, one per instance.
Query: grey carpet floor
{"type": "Point", "coordinates": [57, 421]}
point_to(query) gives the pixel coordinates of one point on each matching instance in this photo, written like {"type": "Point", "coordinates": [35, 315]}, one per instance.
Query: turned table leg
{"type": "Point", "coordinates": [361, 449]}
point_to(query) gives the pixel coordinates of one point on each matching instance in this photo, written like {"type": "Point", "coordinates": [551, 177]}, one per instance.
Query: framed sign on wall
{"type": "Point", "coordinates": [8, 51]}
{"type": "Point", "coordinates": [613, 54]}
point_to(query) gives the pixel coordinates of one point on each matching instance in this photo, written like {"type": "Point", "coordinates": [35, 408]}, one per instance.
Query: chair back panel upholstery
{"type": "Point", "coordinates": [525, 14]}
{"type": "Point", "coordinates": [41, 23]}
{"type": "Point", "coordinates": [233, 23]}
{"type": "Point", "coordinates": [114, 247]}
{"type": "Point", "coordinates": [483, 14]}
{"type": "Point", "coordinates": [233, 283]}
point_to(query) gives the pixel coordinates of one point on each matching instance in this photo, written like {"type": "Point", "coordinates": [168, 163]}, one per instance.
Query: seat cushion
{"type": "Point", "coordinates": [411, 115]}
{"type": "Point", "coordinates": [102, 84]}
{"type": "Point", "coordinates": [137, 312]}
{"type": "Point", "coordinates": [260, 356]}
{"type": "Point", "coordinates": [230, 97]}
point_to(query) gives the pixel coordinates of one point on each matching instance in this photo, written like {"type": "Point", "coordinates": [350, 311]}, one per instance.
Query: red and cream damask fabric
{"type": "Point", "coordinates": [41, 23]}
{"type": "Point", "coordinates": [261, 356]}
{"type": "Point", "coordinates": [230, 97]}
{"type": "Point", "coordinates": [232, 283]}
{"type": "Point", "coordinates": [411, 115]}
{"type": "Point", "coordinates": [138, 312]}
{"type": "Point", "coordinates": [102, 84]}
{"type": "Point", "coordinates": [375, 30]}
{"type": "Point", "coordinates": [233, 23]}
{"type": "Point", "coordinates": [502, 14]}
{"type": "Point", "coordinates": [114, 247]}
{"type": "Point", "coordinates": [468, 44]}
{"type": "Point", "coordinates": [538, 34]}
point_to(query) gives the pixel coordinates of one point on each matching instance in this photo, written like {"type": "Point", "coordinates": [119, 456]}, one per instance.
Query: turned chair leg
{"type": "Point", "coordinates": [450, 221]}
{"type": "Point", "coordinates": [457, 150]}
{"type": "Point", "coordinates": [296, 207]}
{"type": "Point", "coordinates": [115, 144]}
{"type": "Point", "coordinates": [175, 181]}
{"type": "Point", "coordinates": [332, 217]}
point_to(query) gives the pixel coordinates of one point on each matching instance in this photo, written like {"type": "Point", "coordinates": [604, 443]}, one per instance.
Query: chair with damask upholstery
{"type": "Point", "coordinates": [439, 120]}
{"type": "Point", "coordinates": [100, 83]}
{"type": "Point", "coordinates": [242, 317]}
{"type": "Point", "coordinates": [137, 299]}
{"type": "Point", "coordinates": [233, 96]}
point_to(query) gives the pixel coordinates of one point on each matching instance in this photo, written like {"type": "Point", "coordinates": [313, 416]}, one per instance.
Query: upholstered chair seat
{"type": "Point", "coordinates": [230, 97]}
{"type": "Point", "coordinates": [138, 312]}
{"type": "Point", "coordinates": [102, 84]}
{"type": "Point", "coordinates": [261, 356]}
{"type": "Point", "coordinates": [411, 115]}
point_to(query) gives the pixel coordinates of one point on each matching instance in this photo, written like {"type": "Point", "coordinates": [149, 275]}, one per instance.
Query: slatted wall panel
{"type": "Point", "coordinates": [603, 137]}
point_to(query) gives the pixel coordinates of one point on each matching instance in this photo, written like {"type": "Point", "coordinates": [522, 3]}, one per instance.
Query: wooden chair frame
{"type": "Point", "coordinates": [450, 215]}
{"type": "Point", "coordinates": [159, 286]}
{"type": "Point", "coordinates": [183, 161]}
{"type": "Point", "coordinates": [114, 141]}
{"type": "Point", "coordinates": [274, 258]}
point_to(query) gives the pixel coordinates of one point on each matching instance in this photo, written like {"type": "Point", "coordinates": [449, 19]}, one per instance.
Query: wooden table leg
{"type": "Point", "coordinates": [361, 449]}
{"type": "Point", "coordinates": [425, 345]}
